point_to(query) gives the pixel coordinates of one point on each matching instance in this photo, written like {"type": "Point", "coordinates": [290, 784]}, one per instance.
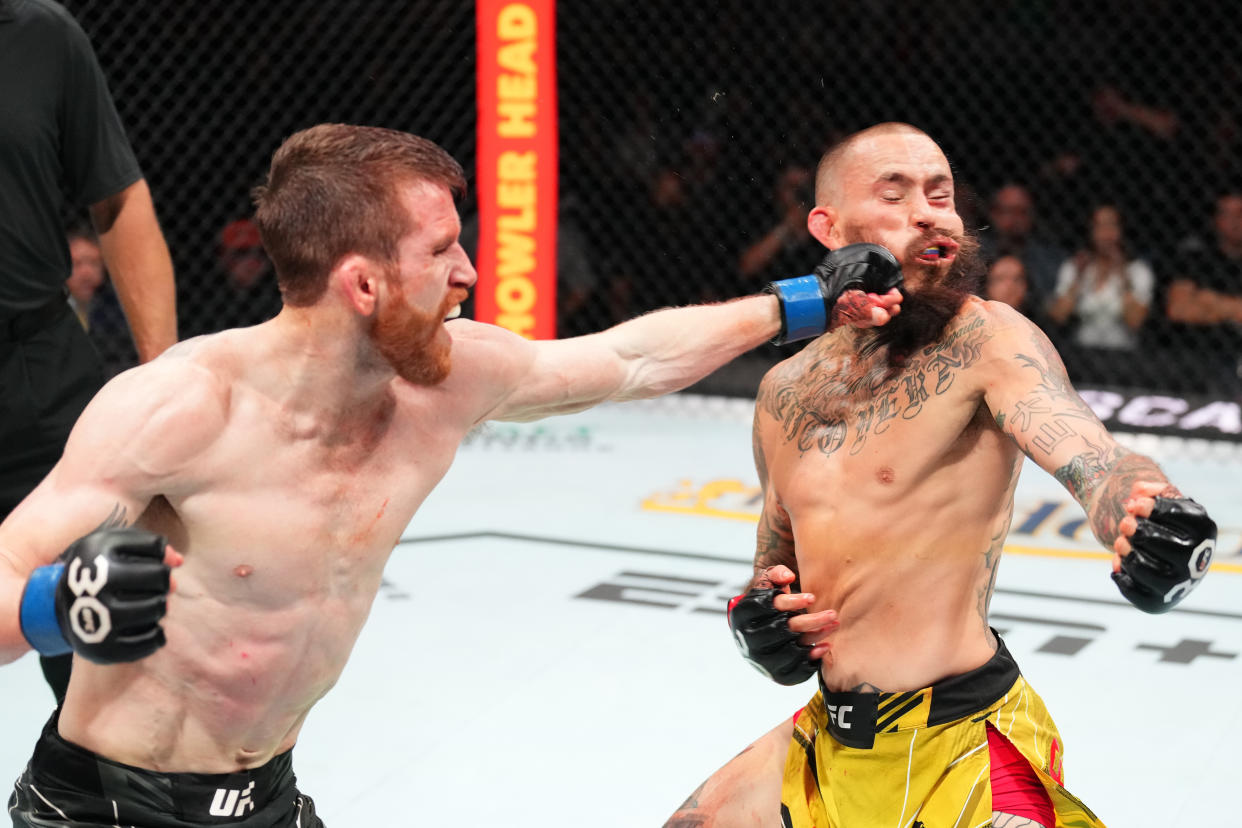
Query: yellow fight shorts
{"type": "Point", "coordinates": [920, 759]}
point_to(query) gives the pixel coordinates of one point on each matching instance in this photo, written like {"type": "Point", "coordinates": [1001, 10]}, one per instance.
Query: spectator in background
{"type": "Point", "coordinates": [1006, 282]}
{"type": "Point", "coordinates": [1128, 128]}
{"type": "Point", "coordinates": [95, 303]}
{"type": "Point", "coordinates": [1205, 301]}
{"type": "Point", "coordinates": [86, 273]}
{"type": "Point", "coordinates": [788, 246]}
{"type": "Point", "coordinates": [245, 292]}
{"type": "Point", "coordinates": [62, 145]}
{"type": "Point", "coordinates": [1105, 290]}
{"type": "Point", "coordinates": [1011, 231]}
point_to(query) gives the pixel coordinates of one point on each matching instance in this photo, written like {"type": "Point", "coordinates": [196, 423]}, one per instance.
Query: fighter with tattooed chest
{"type": "Point", "coordinates": [888, 460]}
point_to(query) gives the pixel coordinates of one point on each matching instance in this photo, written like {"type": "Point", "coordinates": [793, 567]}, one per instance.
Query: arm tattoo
{"type": "Point", "coordinates": [1051, 412]}
{"type": "Point", "coordinates": [991, 564]}
{"type": "Point", "coordinates": [1083, 474]}
{"type": "Point", "coordinates": [761, 462]}
{"type": "Point", "coordinates": [1107, 508]}
{"type": "Point", "coordinates": [1052, 395]}
{"type": "Point", "coordinates": [692, 801]}
{"type": "Point", "coordinates": [991, 558]}
{"type": "Point", "coordinates": [116, 519]}
{"type": "Point", "coordinates": [774, 543]}
{"type": "Point", "coordinates": [691, 814]}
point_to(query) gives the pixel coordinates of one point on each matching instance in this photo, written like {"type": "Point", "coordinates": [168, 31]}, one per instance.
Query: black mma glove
{"type": "Point", "coordinates": [105, 600]}
{"type": "Point", "coordinates": [1169, 554]}
{"type": "Point", "coordinates": [807, 301]}
{"type": "Point", "coordinates": [763, 636]}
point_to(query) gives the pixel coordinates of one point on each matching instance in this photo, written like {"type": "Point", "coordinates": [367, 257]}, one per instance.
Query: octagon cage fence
{"type": "Point", "coordinates": [688, 137]}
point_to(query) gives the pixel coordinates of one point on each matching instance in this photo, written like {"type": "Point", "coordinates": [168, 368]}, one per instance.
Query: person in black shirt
{"type": "Point", "coordinates": [1205, 301]}
{"type": "Point", "coordinates": [61, 138]}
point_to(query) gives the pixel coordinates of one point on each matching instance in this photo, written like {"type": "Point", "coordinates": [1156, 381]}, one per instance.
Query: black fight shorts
{"type": "Point", "coordinates": [66, 785]}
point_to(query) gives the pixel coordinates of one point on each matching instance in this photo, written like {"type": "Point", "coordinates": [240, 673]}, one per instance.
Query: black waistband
{"type": "Point", "coordinates": [198, 798]}
{"type": "Point", "coordinates": [18, 325]}
{"type": "Point", "coordinates": [855, 718]}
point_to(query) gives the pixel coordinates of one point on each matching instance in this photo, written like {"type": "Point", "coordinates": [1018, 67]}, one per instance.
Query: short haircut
{"type": "Point", "coordinates": [828, 173]}
{"type": "Point", "coordinates": [335, 189]}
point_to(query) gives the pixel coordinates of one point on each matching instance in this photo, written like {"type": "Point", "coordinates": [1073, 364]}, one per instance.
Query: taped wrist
{"type": "Point", "coordinates": [38, 612]}
{"type": "Point", "coordinates": [803, 312]}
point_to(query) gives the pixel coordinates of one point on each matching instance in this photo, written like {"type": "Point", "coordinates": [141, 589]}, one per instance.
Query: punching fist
{"type": "Point", "coordinates": [807, 302]}
{"type": "Point", "coordinates": [104, 601]}
{"type": "Point", "coordinates": [1169, 552]}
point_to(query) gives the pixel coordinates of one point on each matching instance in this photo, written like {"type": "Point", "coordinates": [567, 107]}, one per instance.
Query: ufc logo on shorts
{"type": "Point", "coordinates": [837, 713]}
{"type": "Point", "coordinates": [89, 618]}
{"type": "Point", "coordinates": [232, 803]}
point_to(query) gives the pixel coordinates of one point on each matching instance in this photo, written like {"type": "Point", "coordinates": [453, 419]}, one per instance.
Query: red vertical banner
{"type": "Point", "coordinates": [517, 165]}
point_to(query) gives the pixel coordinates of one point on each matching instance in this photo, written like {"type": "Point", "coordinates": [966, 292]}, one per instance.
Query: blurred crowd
{"type": "Point", "coordinates": [1121, 311]}
{"type": "Point", "coordinates": [1097, 148]}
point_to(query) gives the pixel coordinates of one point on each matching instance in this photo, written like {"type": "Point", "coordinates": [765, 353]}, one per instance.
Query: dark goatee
{"type": "Point", "coordinates": [926, 310]}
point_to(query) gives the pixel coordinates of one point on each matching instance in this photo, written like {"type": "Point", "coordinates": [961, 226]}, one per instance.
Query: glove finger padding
{"type": "Point", "coordinates": [138, 645]}
{"type": "Point", "coordinates": [139, 579]}
{"type": "Point", "coordinates": [134, 543]}
{"type": "Point", "coordinates": [1170, 552]}
{"type": "Point", "coordinates": [113, 593]}
{"type": "Point", "coordinates": [767, 636]}
{"type": "Point", "coordinates": [868, 267]}
{"type": "Point", "coordinates": [766, 642]}
{"type": "Point", "coordinates": [1184, 515]}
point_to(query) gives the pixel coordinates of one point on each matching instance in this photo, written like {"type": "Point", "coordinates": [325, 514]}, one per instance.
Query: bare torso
{"type": "Point", "coordinates": [899, 493]}
{"type": "Point", "coordinates": [285, 524]}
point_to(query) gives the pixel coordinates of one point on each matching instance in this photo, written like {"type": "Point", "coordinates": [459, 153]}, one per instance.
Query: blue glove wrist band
{"type": "Point", "coordinates": [802, 308]}
{"type": "Point", "coordinates": [38, 612]}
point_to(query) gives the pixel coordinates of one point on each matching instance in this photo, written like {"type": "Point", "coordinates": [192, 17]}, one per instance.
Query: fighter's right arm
{"type": "Point", "coordinates": [137, 439]}
{"type": "Point", "coordinates": [771, 625]}
{"type": "Point", "coordinates": [774, 540]}
{"type": "Point", "coordinates": [1162, 540]}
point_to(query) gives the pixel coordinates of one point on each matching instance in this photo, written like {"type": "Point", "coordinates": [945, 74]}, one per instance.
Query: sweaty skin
{"type": "Point", "coordinates": [283, 462]}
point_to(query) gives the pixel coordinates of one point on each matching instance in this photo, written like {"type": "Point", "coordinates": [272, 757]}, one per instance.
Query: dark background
{"type": "Point", "coordinates": [704, 106]}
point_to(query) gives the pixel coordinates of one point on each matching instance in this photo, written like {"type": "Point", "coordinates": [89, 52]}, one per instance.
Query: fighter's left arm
{"type": "Point", "coordinates": [1131, 505]}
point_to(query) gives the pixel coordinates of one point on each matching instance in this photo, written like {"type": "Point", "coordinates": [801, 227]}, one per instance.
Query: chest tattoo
{"type": "Point", "coordinates": [832, 400]}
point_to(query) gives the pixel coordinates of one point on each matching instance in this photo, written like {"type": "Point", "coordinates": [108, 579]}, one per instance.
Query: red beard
{"type": "Point", "coordinates": [407, 340]}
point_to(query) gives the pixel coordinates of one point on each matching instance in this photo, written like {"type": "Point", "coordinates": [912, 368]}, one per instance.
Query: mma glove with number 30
{"type": "Point", "coordinates": [763, 636]}
{"type": "Point", "coordinates": [104, 601]}
{"type": "Point", "coordinates": [807, 301]}
{"type": "Point", "coordinates": [1169, 554]}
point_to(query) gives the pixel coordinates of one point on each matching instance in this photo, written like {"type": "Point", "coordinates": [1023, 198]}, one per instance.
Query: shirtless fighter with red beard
{"type": "Point", "coordinates": [283, 462]}
{"type": "Point", "coordinates": [888, 459]}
